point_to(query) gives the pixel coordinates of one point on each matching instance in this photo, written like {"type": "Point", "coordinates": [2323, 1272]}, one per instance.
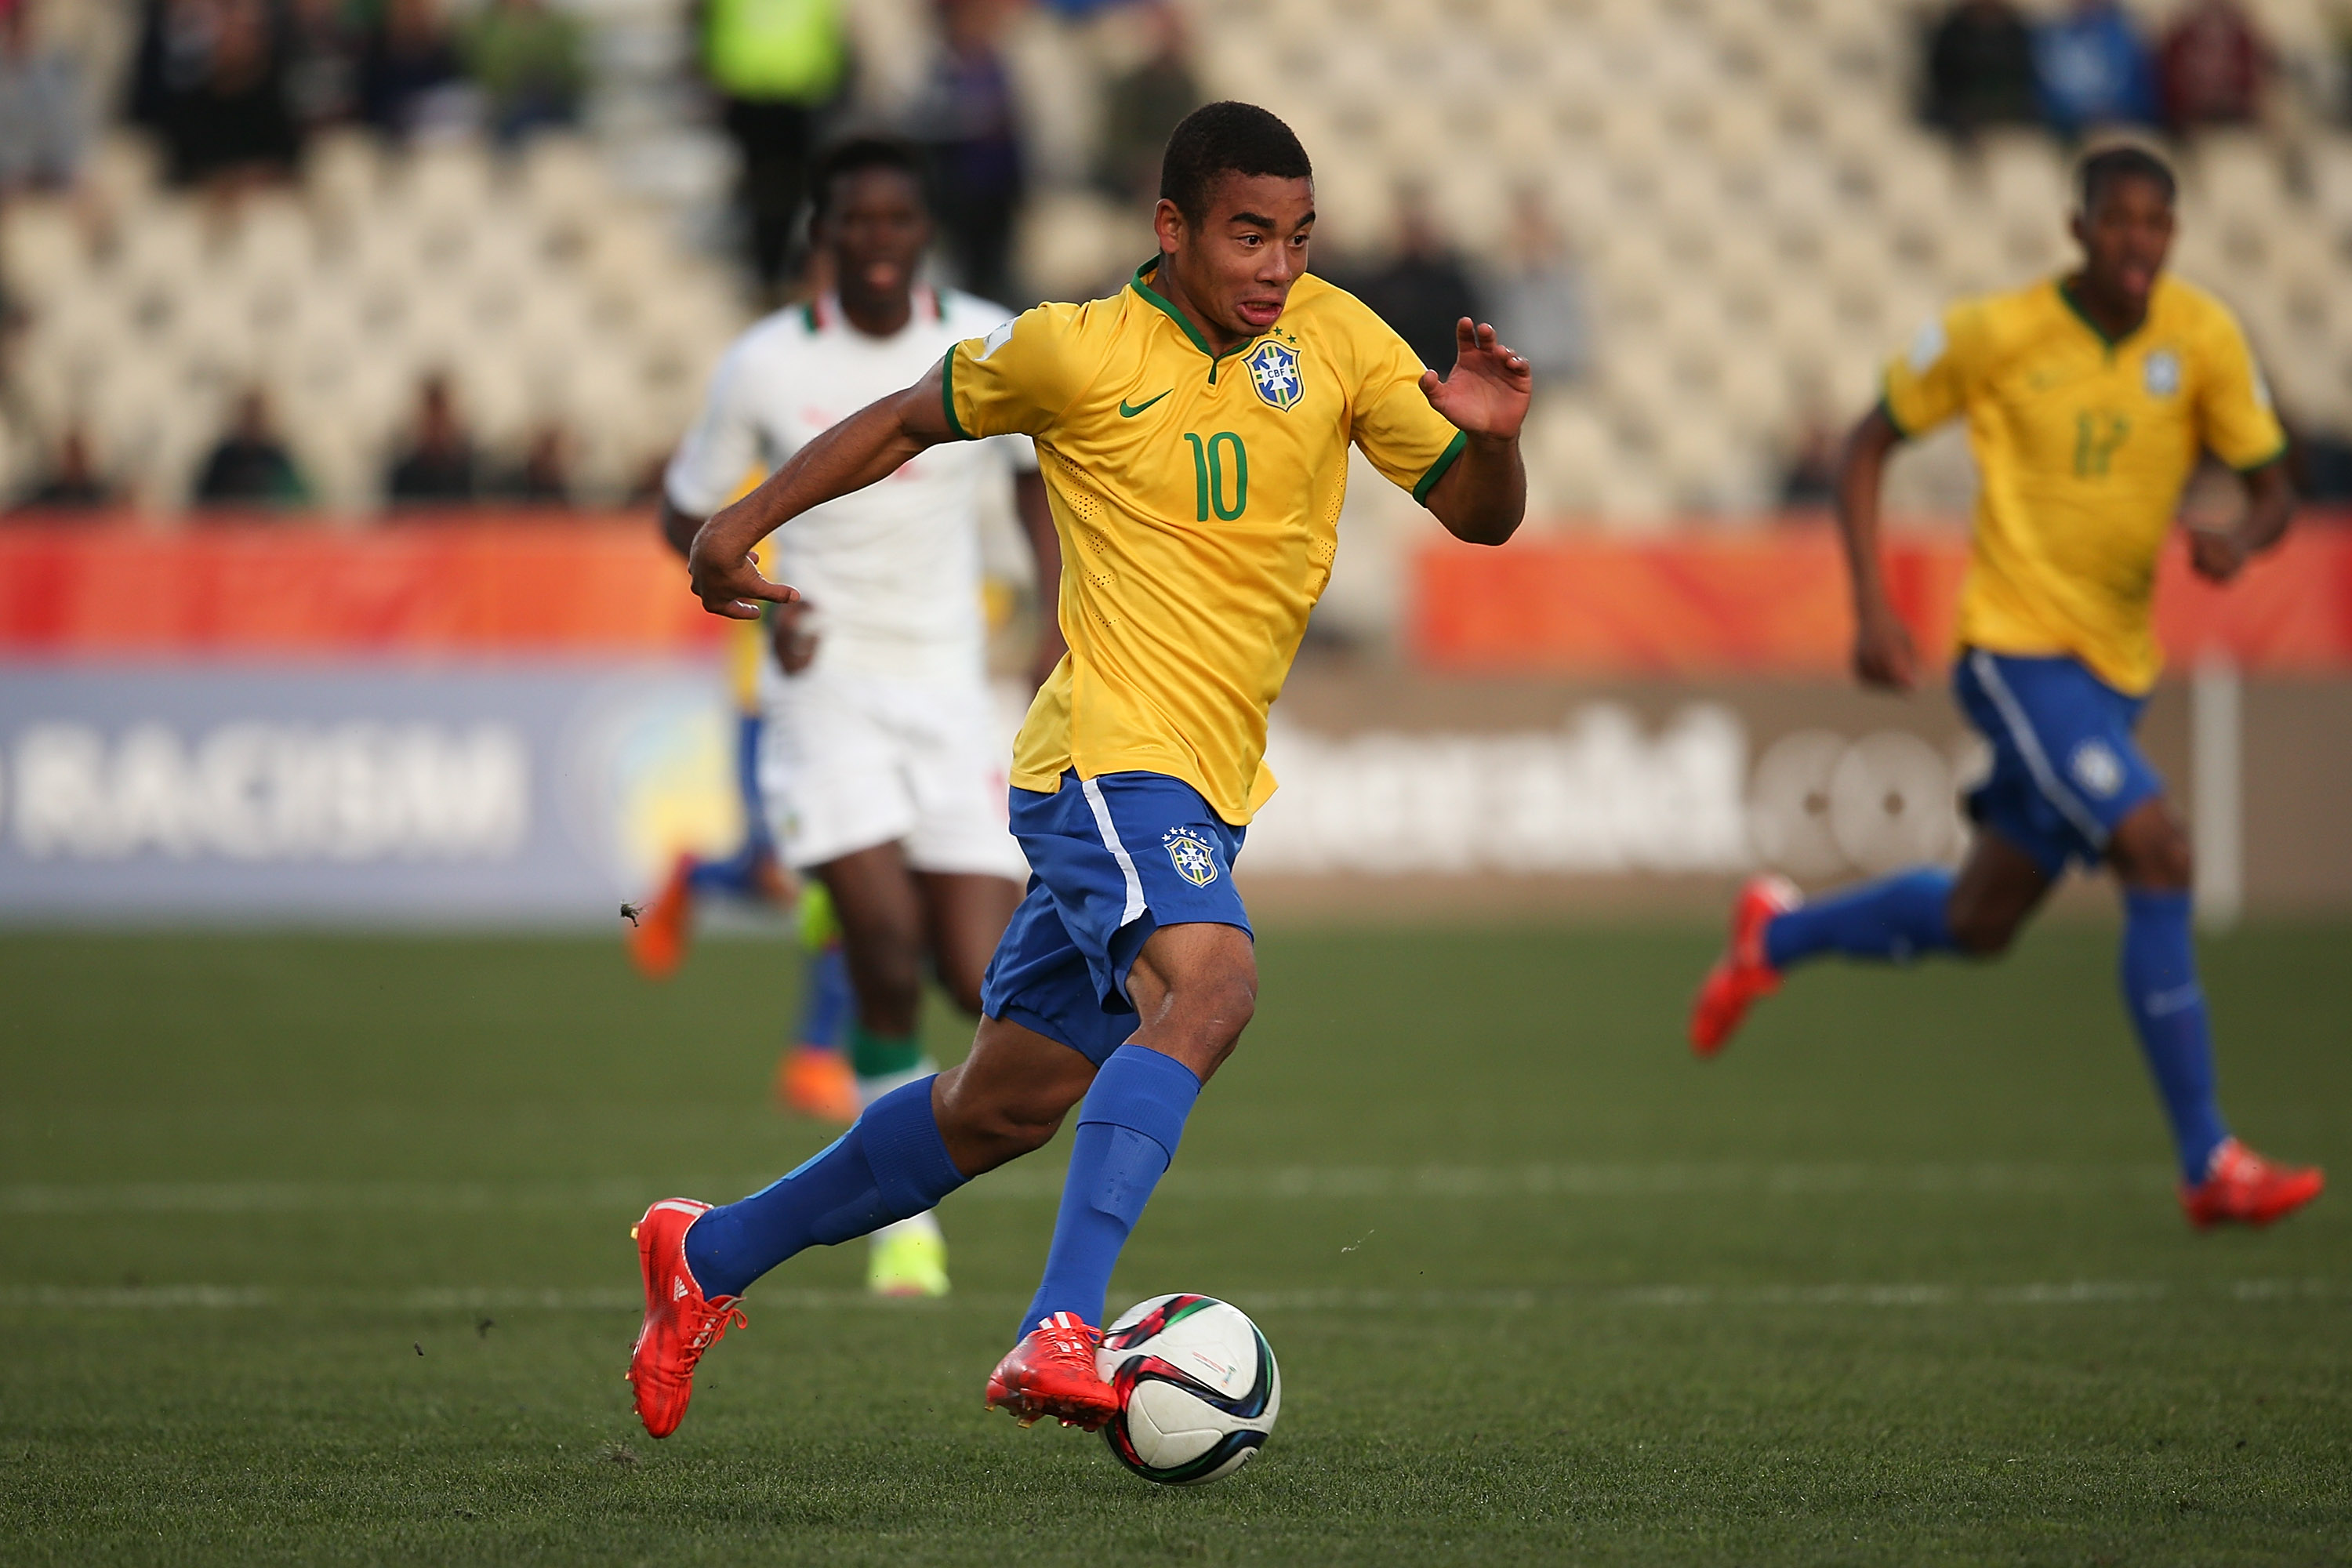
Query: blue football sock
{"type": "Point", "coordinates": [892, 1165]}
{"type": "Point", "coordinates": [1896, 918]}
{"type": "Point", "coordinates": [1127, 1131]}
{"type": "Point", "coordinates": [825, 1015]}
{"type": "Point", "coordinates": [2168, 1009]}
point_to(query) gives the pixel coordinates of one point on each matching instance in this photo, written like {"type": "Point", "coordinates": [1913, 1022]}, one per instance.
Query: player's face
{"type": "Point", "coordinates": [1238, 268]}
{"type": "Point", "coordinates": [2125, 235]}
{"type": "Point", "coordinates": [876, 231]}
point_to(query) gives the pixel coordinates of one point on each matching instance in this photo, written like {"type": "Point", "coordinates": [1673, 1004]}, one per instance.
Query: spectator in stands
{"type": "Point", "coordinates": [72, 483]}
{"type": "Point", "coordinates": [1142, 104]}
{"type": "Point", "coordinates": [543, 478]}
{"type": "Point", "coordinates": [1538, 295]}
{"type": "Point", "coordinates": [42, 129]}
{"type": "Point", "coordinates": [410, 86]}
{"type": "Point", "coordinates": [2211, 66]}
{"type": "Point", "coordinates": [527, 61]}
{"type": "Point", "coordinates": [1424, 289]}
{"type": "Point", "coordinates": [970, 123]}
{"type": "Point", "coordinates": [251, 467]}
{"type": "Point", "coordinates": [776, 64]}
{"type": "Point", "coordinates": [210, 80]}
{"type": "Point", "coordinates": [437, 468]}
{"type": "Point", "coordinates": [2094, 70]}
{"type": "Point", "coordinates": [1980, 68]}
{"type": "Point", "coordinates": [323, 53]}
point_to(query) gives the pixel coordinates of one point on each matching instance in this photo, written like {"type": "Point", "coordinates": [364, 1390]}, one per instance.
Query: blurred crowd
{"type": "Point", "coordinates": [2092, 66]}
{"type": "Point", "coordinates": [232, 94]}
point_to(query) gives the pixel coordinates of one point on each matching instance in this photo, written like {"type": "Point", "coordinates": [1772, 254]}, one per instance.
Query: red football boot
{"type": "Point", "coordinates": [2242, 1187]}
{"type": "Point", "coordinates": [1742, 977]}
{"type": "Point", "coordinates": [1052, 1373]}
{"type": "Point", "coordinates": [657, 939]}
{"type": "Point", "coordinates": [680, 1323]}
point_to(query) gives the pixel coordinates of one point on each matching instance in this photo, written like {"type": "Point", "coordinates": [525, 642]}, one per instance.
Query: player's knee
{"type": "Point", "coordinates": [1980, 931]}
{"type": "Point", "coordinates": [2153, 852]}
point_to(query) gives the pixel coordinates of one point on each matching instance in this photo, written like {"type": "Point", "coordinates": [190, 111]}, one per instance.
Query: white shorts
{"type": "Point", "coordinates": [848, 761]}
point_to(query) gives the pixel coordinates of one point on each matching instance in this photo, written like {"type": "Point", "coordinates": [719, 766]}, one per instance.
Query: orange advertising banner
{"type": "Point", "coordinates": [1769, 602]}
{"type": "Point", "coordinates": [480, 583]}
{"type": "Point", "coordinates": [1775, 604]}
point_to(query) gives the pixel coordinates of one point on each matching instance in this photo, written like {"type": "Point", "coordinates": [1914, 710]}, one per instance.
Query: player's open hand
{"type": "Point", "coordinates": [729, 582]}
{"type": "Point", "coordinates": [2216, 555]}
{"type": "Point", "coordinates": [1882, 654]}
{"type": "Point", "coordinates": [1488, 393]}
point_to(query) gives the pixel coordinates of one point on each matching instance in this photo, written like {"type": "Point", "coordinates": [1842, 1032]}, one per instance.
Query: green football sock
{"type": "Point", "coordinates": [882, 1056]}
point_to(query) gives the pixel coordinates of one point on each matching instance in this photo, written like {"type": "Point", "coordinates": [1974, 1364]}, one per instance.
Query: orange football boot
{"type": "Point", "coordinates": [817, 1082]}
{"type": "Point", "coordinates": [1742, 977]}
{"type": "Point", "coordinates": [657, 940]}
{"type": "Point", "coordinates": [1052, 1372]}
{"type": "Point", "coordinates": [680, 1322]}
{"type": "Point", "coordinates": [2242, 1187]}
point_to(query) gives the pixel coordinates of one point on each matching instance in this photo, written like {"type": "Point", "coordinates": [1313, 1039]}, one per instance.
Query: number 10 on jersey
{"type": "Point", "coordinates": [1210, 479]}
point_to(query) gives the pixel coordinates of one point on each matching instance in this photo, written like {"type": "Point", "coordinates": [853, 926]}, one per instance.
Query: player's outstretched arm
{"type": "Point", "coordinates": [1483, 496]}
{"type": "Point", "coordinates": [2220, 553]}
{"type": "Point", "coordinates": [1882, 654]}
{"type": "Point", "coordinates": [869, 446]}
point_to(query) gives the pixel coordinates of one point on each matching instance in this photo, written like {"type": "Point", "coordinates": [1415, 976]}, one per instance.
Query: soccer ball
{"type": "Point", "coordinates": [1198, 1389]}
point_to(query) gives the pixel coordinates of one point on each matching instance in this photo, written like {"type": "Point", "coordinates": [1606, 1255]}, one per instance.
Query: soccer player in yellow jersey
{"type": "Point", "coordinates": [2089, 400]}
{"type": "Point", "coordinates": [1193, 431]}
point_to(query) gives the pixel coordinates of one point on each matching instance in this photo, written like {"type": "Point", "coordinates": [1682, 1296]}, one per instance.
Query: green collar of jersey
{"type": "Point", "coordinates": [1177, 316]}
{"type": "Point", "coordinates": [2099, 332]}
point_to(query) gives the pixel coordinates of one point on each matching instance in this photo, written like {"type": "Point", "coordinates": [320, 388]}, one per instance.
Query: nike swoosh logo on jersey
{"type": "Point", "coordinates": [1126, 413]}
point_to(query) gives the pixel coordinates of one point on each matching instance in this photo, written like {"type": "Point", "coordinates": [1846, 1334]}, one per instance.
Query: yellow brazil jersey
{"type": "Point", "coordinates": [1197, 498]}
{"type": "Point", "coordinates": [2081, 449]}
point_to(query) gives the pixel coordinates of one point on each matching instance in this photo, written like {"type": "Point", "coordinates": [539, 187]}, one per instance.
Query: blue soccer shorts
{"type": "Point", "coordinates": [2065, 766]}
{"type": "Point", "coordinates": [1111, 860]}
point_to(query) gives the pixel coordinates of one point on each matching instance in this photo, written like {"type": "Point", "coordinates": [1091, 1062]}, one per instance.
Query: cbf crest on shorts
{"type": "Point", "coordinates": [1274, 371]}
{"type": "Point", "coordinates": [1194, 857]}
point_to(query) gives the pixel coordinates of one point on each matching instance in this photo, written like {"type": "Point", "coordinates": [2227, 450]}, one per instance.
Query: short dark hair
{"type": "Point", "coordinates": [1221, 138]}
{"type": "Point", "coordinates": [2106, 167]}
{"type": "Point", "coordinates": [857, 154]}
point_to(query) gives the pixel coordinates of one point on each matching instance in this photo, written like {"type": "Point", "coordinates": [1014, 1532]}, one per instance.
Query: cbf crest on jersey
{"type": "Point", "coordinates": [2161, 373]}
{"type": "Point", "coordinates": [1194, 857]}
{"type": "Point", "coordinates": [1274, 371]}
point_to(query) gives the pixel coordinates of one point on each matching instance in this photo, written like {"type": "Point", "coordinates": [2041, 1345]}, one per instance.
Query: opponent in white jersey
{"type": "Point", "coordinates": [882, 764]}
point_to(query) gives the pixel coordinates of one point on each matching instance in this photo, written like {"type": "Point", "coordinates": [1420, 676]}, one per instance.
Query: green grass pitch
{"type": "Point", "coordinates": [315, 1251]}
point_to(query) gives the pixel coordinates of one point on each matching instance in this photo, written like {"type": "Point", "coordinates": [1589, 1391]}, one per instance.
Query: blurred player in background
{"type": "Point", "coordinates": [1197, 428]}
{"type": "Point", "coordinates": [2090, 400]}
{"type": "Point", "coordinates": [881, 764]}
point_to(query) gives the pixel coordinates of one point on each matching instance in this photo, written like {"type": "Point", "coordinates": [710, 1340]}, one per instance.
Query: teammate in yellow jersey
{"type": "Point", "coordinates": [2089, 399]}
{"type": "Point", "coordinates": [1193, 433]}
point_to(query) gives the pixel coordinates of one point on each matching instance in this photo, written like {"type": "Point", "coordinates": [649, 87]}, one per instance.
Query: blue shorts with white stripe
{"type": "Point", "coordinates": [1111, 860]}
{"type": "Point", "coordinates": [2065, 766]}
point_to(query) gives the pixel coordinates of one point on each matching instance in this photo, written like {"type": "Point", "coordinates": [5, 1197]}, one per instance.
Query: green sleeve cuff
{"type": "Point", "coordinates": [1437, 469]}
{"type": "Point", "coordinates": [1887, 406]}
{"type": "Point", "coordinates": [946, 396]}
{"type": "Point", "coordinates": [2275, 454]}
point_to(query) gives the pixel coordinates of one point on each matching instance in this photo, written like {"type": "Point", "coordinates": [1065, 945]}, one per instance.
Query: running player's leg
{"type": "Point", "coordinates": [2221, 1178]}
{"type": "Point", "coordinates": [2150, 854]}
{"type": "Point", "coordinates": [911, 1148]}
{"type": "Point", "coordinates": [1194, 987]}
{"type": "Point", "coordinates": [814, 1075]}
{"type": "Point", "coordinates": [2023, 844]}
{"type": "Point", "coordinates": [882, 912]}
{"type": "Point", "coordinates": [964, 917]}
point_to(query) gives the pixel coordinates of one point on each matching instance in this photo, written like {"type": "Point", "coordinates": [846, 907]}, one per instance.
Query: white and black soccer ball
{"type": "Point", "coordinates": [1198, 1389]}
